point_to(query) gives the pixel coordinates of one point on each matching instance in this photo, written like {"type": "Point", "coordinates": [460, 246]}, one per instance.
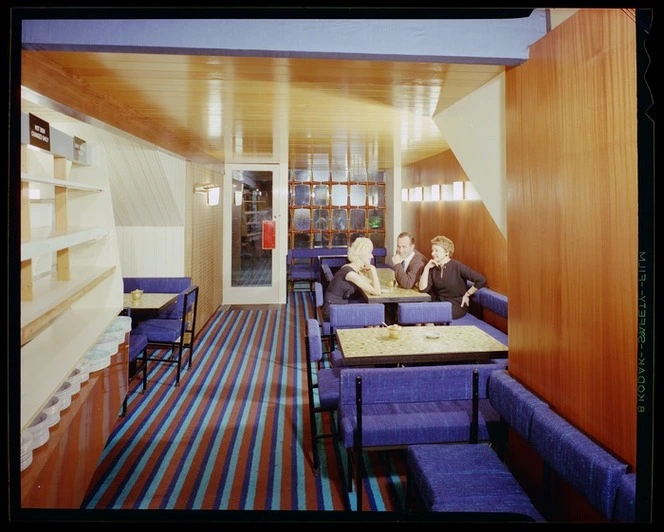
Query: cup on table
{"type": "Point", "coordinates": [136, 294]}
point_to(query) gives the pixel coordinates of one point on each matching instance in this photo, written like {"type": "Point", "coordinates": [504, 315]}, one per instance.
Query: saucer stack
{"type": "Point", "coordinates": [98, 358]}
{"type": "Point", "coordinates": [27, 440]}
{"type": "Point", "coordinates": [84, 367]}
{"type": "Point", "coordinates": [64, 395]}
{"type": "Point", "coordinates": [39, 430]}
{"type": "Point", "coordinates": [75, 380]}
{"type": "Point", "coordinates": [120, 323]}
{"type": "Point", "coordinates": [52, 410]}
{"type": "Point", "coordinates": [109, 342]}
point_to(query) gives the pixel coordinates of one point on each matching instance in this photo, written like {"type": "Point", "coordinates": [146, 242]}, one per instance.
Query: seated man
{"type": "Point", "coordinates": [408, 263]}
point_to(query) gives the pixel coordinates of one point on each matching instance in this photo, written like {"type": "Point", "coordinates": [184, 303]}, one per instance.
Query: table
{"type": "Point", "coordinates": [149, 304]}
{"type": "Point", "coordinates": [396, 294]}
{"type": "Point", "coordinates": [455, 343]}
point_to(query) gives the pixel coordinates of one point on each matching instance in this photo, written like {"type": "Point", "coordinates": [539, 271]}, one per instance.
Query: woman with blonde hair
{"type": "Point", "coordinates": [446, 279]}
{"type": "Point", "coordinates": [349, 278]}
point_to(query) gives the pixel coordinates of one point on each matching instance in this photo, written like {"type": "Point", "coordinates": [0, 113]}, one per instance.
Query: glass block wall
{"type": "Point", "coordinates": [332, 208]}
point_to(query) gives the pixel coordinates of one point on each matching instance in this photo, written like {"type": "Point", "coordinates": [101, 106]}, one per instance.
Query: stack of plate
{"type": "Point", "coordinates": [111, 347]}
{"type": "Point", "coordinates": [64, 394]}
{"type": "Point", "coordinates": [39, 430]}
{"type": "Point", "coordinates": [98, 358]}
{"type": "Point", "coordinates": [27, 440]}
{"type": "Point", "coordinates": [52, 410]}
{"type": "Point", "coordinates": [120, 323]}
{"type": "Point", "coordinates": [75, 380]}
{"type": "Point", "coordinates": [84, 366]}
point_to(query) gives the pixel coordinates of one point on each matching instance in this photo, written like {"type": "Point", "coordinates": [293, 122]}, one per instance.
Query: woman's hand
{"type": "Point", "coordinates": [465, 300]}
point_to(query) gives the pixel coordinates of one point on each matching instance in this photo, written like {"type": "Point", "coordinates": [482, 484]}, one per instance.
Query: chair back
{"type": "Point", "coordinates": [438, 312]}
{"type": "Point", "coordinates": [314, 342]}
{"type": "Point", "coordinates": [359, 315]}
{"type": "Point", "coordinates": [355, 316]}
{"type": "Point", "coordinates": [190, 303]}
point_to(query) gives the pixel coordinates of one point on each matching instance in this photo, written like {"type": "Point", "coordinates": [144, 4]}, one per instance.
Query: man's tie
{"type": "Point", "coordinates": [403, 264]}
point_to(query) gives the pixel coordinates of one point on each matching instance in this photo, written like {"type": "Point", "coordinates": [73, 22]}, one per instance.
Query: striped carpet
{"type": "Point", "coordinates": [234, 435]}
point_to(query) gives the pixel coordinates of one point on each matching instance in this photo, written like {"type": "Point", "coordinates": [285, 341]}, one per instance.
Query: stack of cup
{"type": "Point", "coordinates": [27, 440]}
{"type": "Point", "coordinates": [52, 410]}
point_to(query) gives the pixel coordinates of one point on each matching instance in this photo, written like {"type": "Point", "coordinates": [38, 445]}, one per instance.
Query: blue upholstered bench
{"type": "Point", "coordinates": [488, 299]}
{"type": "Point", "coordinates": [397, 407]}
{"type": "Point", "coordinates": [473, 478]}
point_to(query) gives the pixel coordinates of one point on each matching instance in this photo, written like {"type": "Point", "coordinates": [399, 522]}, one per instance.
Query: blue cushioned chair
{"type": "Point", "coordinates": [138, 344]}
{"type": "Point", "coordinates": [175, 335]}
{"type": "Point", "coordinates": [436, 312]}
{"type": "Point", "coordinates": [325, 383]}
{"type": "Point", "coordinates": [355, 316]}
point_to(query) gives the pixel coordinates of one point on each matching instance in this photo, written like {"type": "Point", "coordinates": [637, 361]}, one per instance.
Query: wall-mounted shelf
{"type": "Point", "coordinates": [46, 240]}
{"type": "Point", "coordinates": [45, 180]}
{"type": "Point", "coordinates": [52, 297]}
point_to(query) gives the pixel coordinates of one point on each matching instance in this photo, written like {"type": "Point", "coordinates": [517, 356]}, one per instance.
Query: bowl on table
{"type": "Point", "coordinates": [394, 331]}
{"type": "Point", "coordinates": [136, 294]}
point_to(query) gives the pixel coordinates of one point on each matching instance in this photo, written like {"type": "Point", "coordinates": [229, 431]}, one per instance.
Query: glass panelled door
{"type": "Point", "coordinates": [252, 270]}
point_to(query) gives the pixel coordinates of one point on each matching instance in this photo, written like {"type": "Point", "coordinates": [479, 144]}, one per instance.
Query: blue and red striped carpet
{"type": "Point", "coordinates": [234, 435]}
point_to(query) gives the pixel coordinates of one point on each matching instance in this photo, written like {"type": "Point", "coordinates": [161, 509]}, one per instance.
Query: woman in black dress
{"type": "Point", "coordinates": [349, 278]}
{"type": "Point", "coordinates": [446, 278]}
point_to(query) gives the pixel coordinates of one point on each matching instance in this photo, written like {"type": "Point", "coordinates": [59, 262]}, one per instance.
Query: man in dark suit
{"type": "Point", "coordinates": [408, 263]}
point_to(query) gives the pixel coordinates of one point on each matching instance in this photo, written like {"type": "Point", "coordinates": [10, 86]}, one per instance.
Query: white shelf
{"type": "Point", "coordinates": [51, 297]}
{"type": "Point", "coordinates": [49, 241]}
{"type": "Point", "coordinates": [60, 182]}
{"type": "Point", "coordinates": [51, 356]}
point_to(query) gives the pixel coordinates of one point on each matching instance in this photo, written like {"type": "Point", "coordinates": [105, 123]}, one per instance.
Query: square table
{"type": "Point", "coordinates": [428, 344]}
{"type": "Point", "coordinates": [148, 305]}
{"type": "Point", "coordinates": [395, 294]}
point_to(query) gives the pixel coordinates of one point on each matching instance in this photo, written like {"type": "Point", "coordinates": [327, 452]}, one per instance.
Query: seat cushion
{"type": "Point", "coordinates": [158, 330]}
{"type": "Point", "coordinates": [137, 343]}
{"type": "Point", "coordinates": [466, 478]}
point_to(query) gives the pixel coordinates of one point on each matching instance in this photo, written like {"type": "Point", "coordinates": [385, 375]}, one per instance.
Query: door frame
{"type": "Point", "coordinates": [258, 295]}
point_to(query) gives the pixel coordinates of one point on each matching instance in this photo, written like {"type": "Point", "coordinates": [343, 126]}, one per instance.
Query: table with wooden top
{"type": "Point", "coordinates": [427, 344]}
{"type": "Point", "coordinates": [395, 294]}
{"type": "Point", "coordinates": [149, 304]}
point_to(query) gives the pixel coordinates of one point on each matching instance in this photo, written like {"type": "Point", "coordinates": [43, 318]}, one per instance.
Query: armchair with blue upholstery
{"type": "Point", "coordinates": [326, 384]}
{"type": "Point", "coordinates": [175, 335]}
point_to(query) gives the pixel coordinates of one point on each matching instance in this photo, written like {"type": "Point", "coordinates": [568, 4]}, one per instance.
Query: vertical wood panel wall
{"type": "Point", "coordinates": [477, 240]}
{"type": "Point", "coordinates": [572, 224]}
{"type": "Point", "coordinates": [204, 242]}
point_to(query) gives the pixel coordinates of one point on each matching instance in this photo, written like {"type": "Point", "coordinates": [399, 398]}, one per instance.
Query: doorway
{"type": "Point", "coordinates": [253, 271]}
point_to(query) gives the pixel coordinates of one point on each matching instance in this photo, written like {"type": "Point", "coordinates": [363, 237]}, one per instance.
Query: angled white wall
{"type": "Point", "coordinates": [475, 131]}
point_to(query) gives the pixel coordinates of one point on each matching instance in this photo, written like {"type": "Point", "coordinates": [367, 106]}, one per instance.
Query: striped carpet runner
{"type": "Point", "coordinates": [234, 435]}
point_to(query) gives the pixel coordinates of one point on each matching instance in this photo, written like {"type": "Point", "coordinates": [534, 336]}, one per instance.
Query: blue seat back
{"type": "Point", "coordinates": [361, 315]}
{"type": "Point", "coordinates": [438, 312]}
{"type": "Point", "coordinates": [314, 342]}
{"type": "Point", "coordinates": [590, 469]}
{"type": "Point", "coordinates": [513, 402]}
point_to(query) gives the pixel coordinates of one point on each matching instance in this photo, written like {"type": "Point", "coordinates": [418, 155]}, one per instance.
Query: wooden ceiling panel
{"type": "Point", "coordinates": [367, 108]}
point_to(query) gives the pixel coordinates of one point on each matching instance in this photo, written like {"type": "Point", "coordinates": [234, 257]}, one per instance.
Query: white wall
{"type": "Point", "coordinates": [474, 128]}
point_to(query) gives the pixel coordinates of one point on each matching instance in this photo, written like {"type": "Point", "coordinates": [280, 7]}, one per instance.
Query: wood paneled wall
{"type": "Point", "coordinates": [572, 224]}
{"type": "Point", "coordinates": [203, 242]}
{"type": "Point", "coordinates": [569, 264]}
{"type": "Point", "coordinates": [477, 240]}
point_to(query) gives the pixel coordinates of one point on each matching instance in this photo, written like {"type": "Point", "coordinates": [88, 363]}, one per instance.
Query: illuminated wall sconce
{"type": "Point", "coordinates": [426, 193]}
{"type": "Point", "coordinates": [404, 194]}
{"type": "Point", "coordinates": [447, 192]}
{"type": "Point", "coordinates": [435, 193]}
{"type": "Point", "coordinates": [34, 193]}
{"type": "Point", "coordinates": [470, 192]}
{"type": "Point", "coordinates": [213, 195]}
{"type": "Point", "coordinates": [457, 188]}
{"type": "Point", "coordinates": [211, 190]}
{"type": "Point", "coordinates": [415, 194]}
{"type": "Point", "coordinates": [238, 198]}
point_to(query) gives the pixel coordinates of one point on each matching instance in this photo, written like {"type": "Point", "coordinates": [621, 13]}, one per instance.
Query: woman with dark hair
{"type": "Point", "coordinates": [446, 278]}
